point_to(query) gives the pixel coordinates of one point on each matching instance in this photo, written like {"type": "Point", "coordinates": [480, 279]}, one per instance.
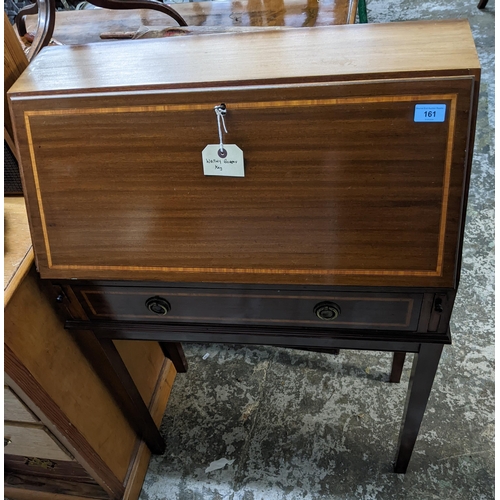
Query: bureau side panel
{"type": "Point", "coordinates": [343, 185]}
{"type": "Point", "coordinates": [36, 336]}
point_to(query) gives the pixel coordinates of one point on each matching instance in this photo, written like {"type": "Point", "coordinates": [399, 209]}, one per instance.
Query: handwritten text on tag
{"type": "Point", "coordinates": [228, 162]}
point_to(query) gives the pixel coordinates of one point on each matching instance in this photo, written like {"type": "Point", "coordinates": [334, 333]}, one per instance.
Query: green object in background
{"type": "Point", "coordinates": [363, 17]}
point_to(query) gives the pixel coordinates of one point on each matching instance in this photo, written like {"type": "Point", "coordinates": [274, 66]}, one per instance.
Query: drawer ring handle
{"type": "Point", "coordinates": [159, 306]}
{"type": "Point", "coordinates": [327, 311]}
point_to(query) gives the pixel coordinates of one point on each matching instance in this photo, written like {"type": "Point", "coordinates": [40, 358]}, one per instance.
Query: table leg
{"type": "Point", "coordinates": [423, 371]}
{"type": "Point", "coordinates": [143, 422]}
{"type": "Point", "coordinates": [398, 362]}
{"type": "Point", "coordinates": [175, 352]}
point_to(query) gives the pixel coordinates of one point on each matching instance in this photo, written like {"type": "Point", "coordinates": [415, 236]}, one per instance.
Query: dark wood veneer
{"type": "Point", "coordinates": [395, 225]}
{"type": "Point", "coordinates": [369, 311]}
{"type": "Point", "coordinates": [245, 334]}
{"type": "Point", "coordinates": [68, 478]}
{"type": "Point", "coordinates": [346, 198]}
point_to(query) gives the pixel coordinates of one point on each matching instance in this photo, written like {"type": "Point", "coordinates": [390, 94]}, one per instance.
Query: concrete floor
{"type": "Point", "coordinates": [314, 426]}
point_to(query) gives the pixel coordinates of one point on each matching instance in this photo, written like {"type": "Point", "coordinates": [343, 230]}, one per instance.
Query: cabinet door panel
{"type": "Point", "coordinates": [342, 185]}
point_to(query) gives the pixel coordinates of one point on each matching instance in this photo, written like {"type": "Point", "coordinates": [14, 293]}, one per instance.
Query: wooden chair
{"type": "Point", "coordinates": [14, 63]}
{"type": "Point", "coordinates": [46, 10]}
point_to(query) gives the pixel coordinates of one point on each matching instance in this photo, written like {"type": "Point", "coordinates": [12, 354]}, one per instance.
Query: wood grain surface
{"type": "Point", "coordinates": [14, 493]}
{"type": "Point", "coordinates": [86, 26]}
{"type": "Point", "coordinates": [157, 406]}
{"type": "Point", "coordinates": [18, 252]}
{"type": "Point", "coordinates": [58, 480]}
{"type": "Point", "coordinates": [36, 335]}
{"type": "Point", "coordinates": [306, 54]}
{"type": "Point", "coordinates": [47, 468]}
{"type": "Point", "coordinates": [33, 441]}
{"type": "Point", "coordinates": [15, 410]}
{"type": "Point", "coordinates": [14, 63]}
{"type": "Point", "coordinates": [98, 434]}
{"type": "Point", "coordinates": [357, 310]}
{"type": "Point", "coordinates": [144, 361]}
{"type": "Point", "coordinates": [342, 186]}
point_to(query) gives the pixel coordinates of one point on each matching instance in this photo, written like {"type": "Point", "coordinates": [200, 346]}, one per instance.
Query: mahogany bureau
{"type": "Point", "coordinates": [343, 228]}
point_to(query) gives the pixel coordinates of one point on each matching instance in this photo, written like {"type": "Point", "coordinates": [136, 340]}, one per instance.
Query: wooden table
{"type": "Point", "coordinates": [97, 25]}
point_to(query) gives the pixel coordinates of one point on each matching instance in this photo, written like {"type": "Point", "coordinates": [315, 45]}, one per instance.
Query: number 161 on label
{"type": "Point", "coordinates": [430, 113]}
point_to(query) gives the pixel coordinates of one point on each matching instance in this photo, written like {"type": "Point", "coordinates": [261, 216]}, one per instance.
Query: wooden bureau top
{"type": "Point", "coordinates": [295, 55]}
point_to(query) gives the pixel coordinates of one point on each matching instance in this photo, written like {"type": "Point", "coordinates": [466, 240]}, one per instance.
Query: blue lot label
{"type": "Point", "coordinates": [430, 113]}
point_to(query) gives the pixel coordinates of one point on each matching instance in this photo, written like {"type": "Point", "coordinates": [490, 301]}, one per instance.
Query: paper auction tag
{"type": "Point", "coordinates": [228, 162]}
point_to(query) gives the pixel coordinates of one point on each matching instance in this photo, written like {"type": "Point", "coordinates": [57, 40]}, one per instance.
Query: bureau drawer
{"type": "Point", "coordinates": [34, 478]}
{"type": "Point", "coordinates": [14, 408]}
{"type": "Point", "coordinates": [373, 311]}
{"type": "Point", "coordinates": [32, 441]}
